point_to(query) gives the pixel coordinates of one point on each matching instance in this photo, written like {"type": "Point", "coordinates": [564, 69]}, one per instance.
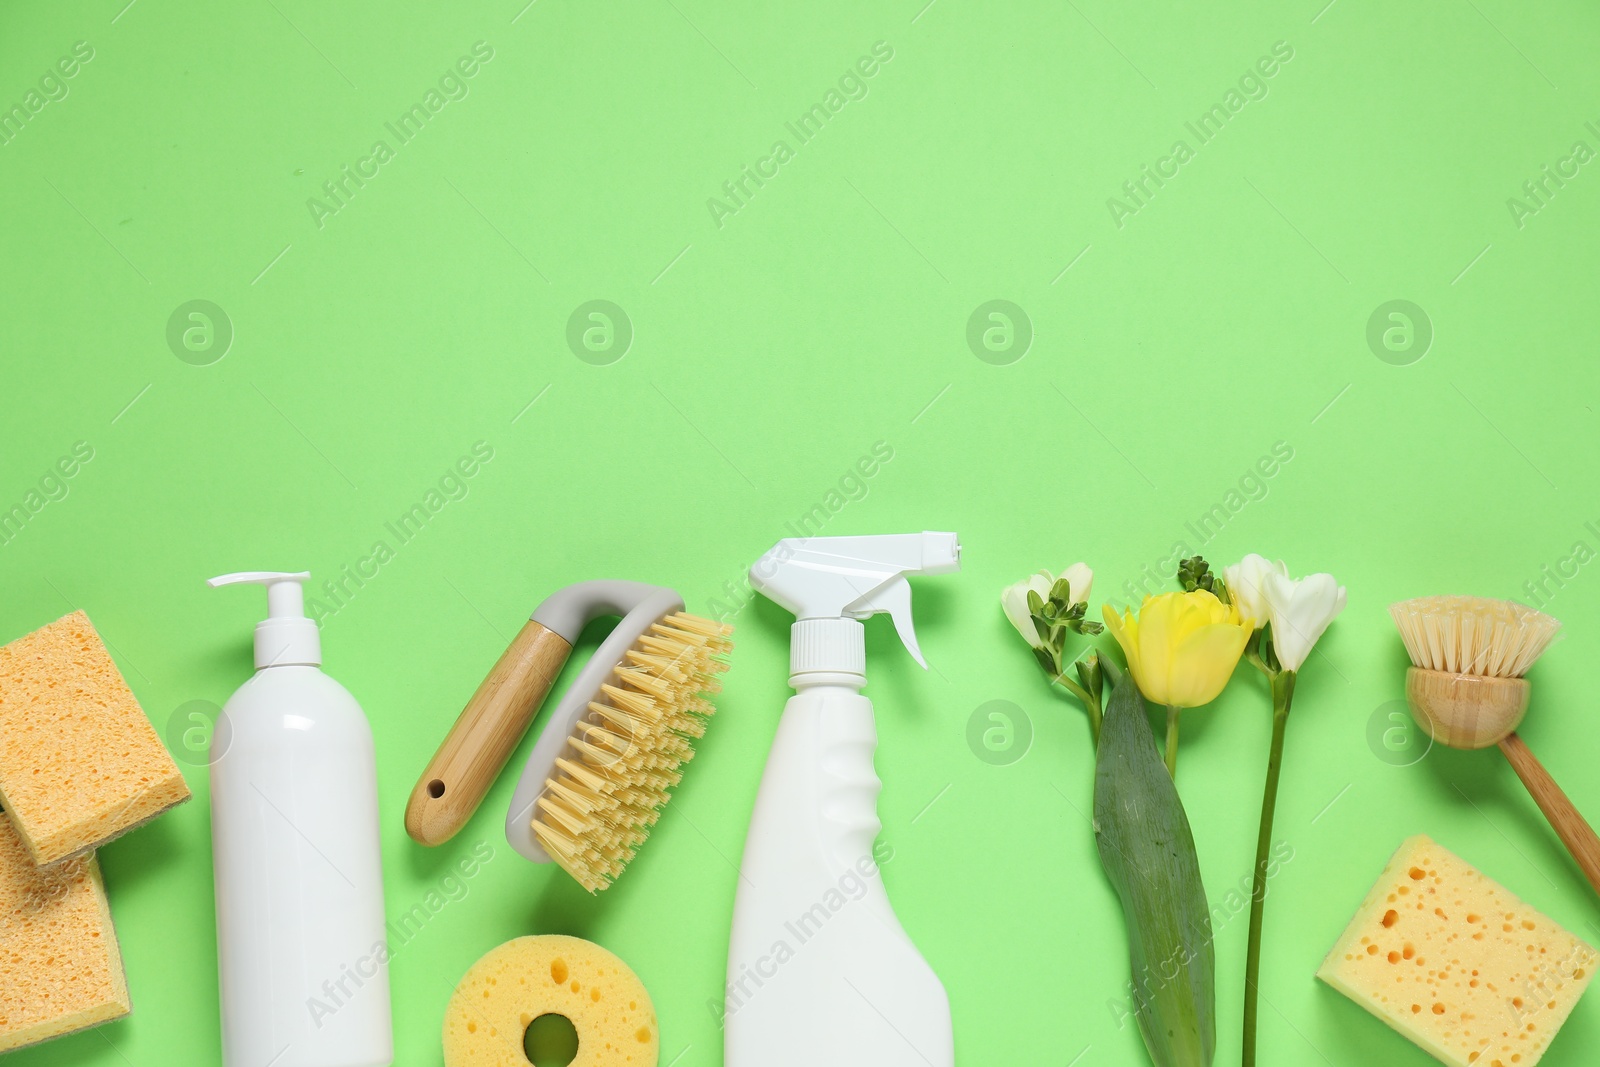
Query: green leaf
{"type": "Point", "coordinates": [1148, 855]}
{"type": "Point", "coordinates": [1090, 674]}
{"type": "Point", "coordinates": [1042, 626]}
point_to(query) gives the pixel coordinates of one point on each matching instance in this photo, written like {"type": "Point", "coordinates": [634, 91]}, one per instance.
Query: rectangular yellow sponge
{"type": "Point", "coordinates": [60, 967]}
{"type": "Point", "coordinates": [1457, 964]}
{"type": "Point", "coordinates": [79, 762]}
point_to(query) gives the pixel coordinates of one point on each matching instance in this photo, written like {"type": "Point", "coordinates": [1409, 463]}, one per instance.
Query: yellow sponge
{"type": "Point", "coordinates": [60, 968]}
{"type": "Point", "coordinates": [514, 984]}
{"type": "Point", "coordinates": [79, 762]}
{"type": "Point", "coordinates": [1455, 963]}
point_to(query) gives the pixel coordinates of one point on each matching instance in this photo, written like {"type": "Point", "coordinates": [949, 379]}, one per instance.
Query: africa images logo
{"type": "Point", "coordinates": [1138, 191]}
{"type": "Point", "coordinates": [338, 191]}
{"type": "Point", "coordinates": [852, 85]}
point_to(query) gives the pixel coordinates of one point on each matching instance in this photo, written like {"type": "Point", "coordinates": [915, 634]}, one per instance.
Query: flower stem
{"type": "Point", "coordinates": [1085, 693]}
{"type": "Point", "coordinates": [1090, 704]}
{"type": "Point", "coordinates": [1282, 697]}
{"type": "Point", "coordinates": [1070, 686]}
{"type": "Point", "coordinates": [1172, 740]}
{"type": "Point", "coordinates": [1092, 674]}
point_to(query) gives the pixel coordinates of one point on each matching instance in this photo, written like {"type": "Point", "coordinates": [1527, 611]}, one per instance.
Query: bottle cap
{"type": "Point", "coordinates": [285, 637]}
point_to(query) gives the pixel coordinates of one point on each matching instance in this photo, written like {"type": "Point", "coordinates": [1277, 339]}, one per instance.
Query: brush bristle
{"type": "Point", "coordinates": [626, 754]}
{"type": "Point", "coordinates": [1473, 635]}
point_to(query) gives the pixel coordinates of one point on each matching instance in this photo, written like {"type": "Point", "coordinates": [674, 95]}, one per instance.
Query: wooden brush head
{"type": "Point", "coordinates": [1466, 710]}
{"type": "Point", "coordinates": [1468, 656]}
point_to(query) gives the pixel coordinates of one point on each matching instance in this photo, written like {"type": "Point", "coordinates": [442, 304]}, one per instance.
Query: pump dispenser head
{"type": "Point", "coordinates": [285, 637]}
{"type": "Point", "coordinates": [832, 583]}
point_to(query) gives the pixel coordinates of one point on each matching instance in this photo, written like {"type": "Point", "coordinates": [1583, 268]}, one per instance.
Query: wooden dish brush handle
{"type": "Point", "coordinates": [1570, 826]}
{"type": "Point", "coordinates": [478, 745]}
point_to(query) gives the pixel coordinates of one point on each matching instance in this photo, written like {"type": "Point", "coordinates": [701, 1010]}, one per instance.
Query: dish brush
{"type": "Point", "coordinates": [611, 752]}
{"type": "Point", "coordinates": [1466, 688]}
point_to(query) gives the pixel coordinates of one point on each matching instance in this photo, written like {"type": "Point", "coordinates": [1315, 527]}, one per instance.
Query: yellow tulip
{"type": "Point", "coordinates": [1181, 647]}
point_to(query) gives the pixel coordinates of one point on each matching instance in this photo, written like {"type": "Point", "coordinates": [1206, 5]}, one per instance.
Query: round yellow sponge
{"type": "Point", "coordinates": [514, 984]}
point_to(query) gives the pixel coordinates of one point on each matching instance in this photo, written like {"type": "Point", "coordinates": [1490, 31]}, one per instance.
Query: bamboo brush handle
{"type": "Point", "coordinates": [1575, 833]}
{"type": "Point", "coordinates": [478, 745]}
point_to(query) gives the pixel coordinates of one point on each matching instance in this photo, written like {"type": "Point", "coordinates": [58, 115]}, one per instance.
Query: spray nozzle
{"type": "Point", "coordinates": [285, 636]}
{"type": "Point", "coordinates": [831, 583]}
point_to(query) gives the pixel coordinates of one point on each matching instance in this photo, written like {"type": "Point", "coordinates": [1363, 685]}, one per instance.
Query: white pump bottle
{"type": "Point", "coordinates": [302, 958]}
{"type": "Point", "coordinates": [819, 969]}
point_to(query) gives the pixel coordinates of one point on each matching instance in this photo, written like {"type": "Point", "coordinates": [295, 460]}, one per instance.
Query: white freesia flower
{"type": "Point", "coordinates": [1014, 598]}
{"type": "Point", "coordinates": [1300, 611]}
{"type": "Point", "coordinates": [1246, 582]}
{"type": "Point", "coordinates": [1081, 579]}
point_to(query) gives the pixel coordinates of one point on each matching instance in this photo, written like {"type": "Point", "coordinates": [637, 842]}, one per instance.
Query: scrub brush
{"type": "Point", "coordinates": [1466, 688]}
{"type": "Point", "coordinates": [612, 750]}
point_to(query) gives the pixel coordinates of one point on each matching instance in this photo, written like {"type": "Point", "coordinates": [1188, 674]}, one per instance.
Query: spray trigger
{"type": "Point", "coordinates": [894, 599]}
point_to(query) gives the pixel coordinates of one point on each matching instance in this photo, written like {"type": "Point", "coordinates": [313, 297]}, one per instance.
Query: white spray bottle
{"type": "Point", "coordinates": [302, 957]}
{"type": "Point", "coordinates": [819, 969]}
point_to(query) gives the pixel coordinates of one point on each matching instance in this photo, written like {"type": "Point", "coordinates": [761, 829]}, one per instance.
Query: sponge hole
{"type": "Point", "coordinates": [550, 1041]}
{"type": "Point", "coordinates": [436, 789]}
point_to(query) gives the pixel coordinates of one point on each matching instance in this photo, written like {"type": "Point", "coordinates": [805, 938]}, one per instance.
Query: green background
{"type": "Point", "coordinates": [830, 313]}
